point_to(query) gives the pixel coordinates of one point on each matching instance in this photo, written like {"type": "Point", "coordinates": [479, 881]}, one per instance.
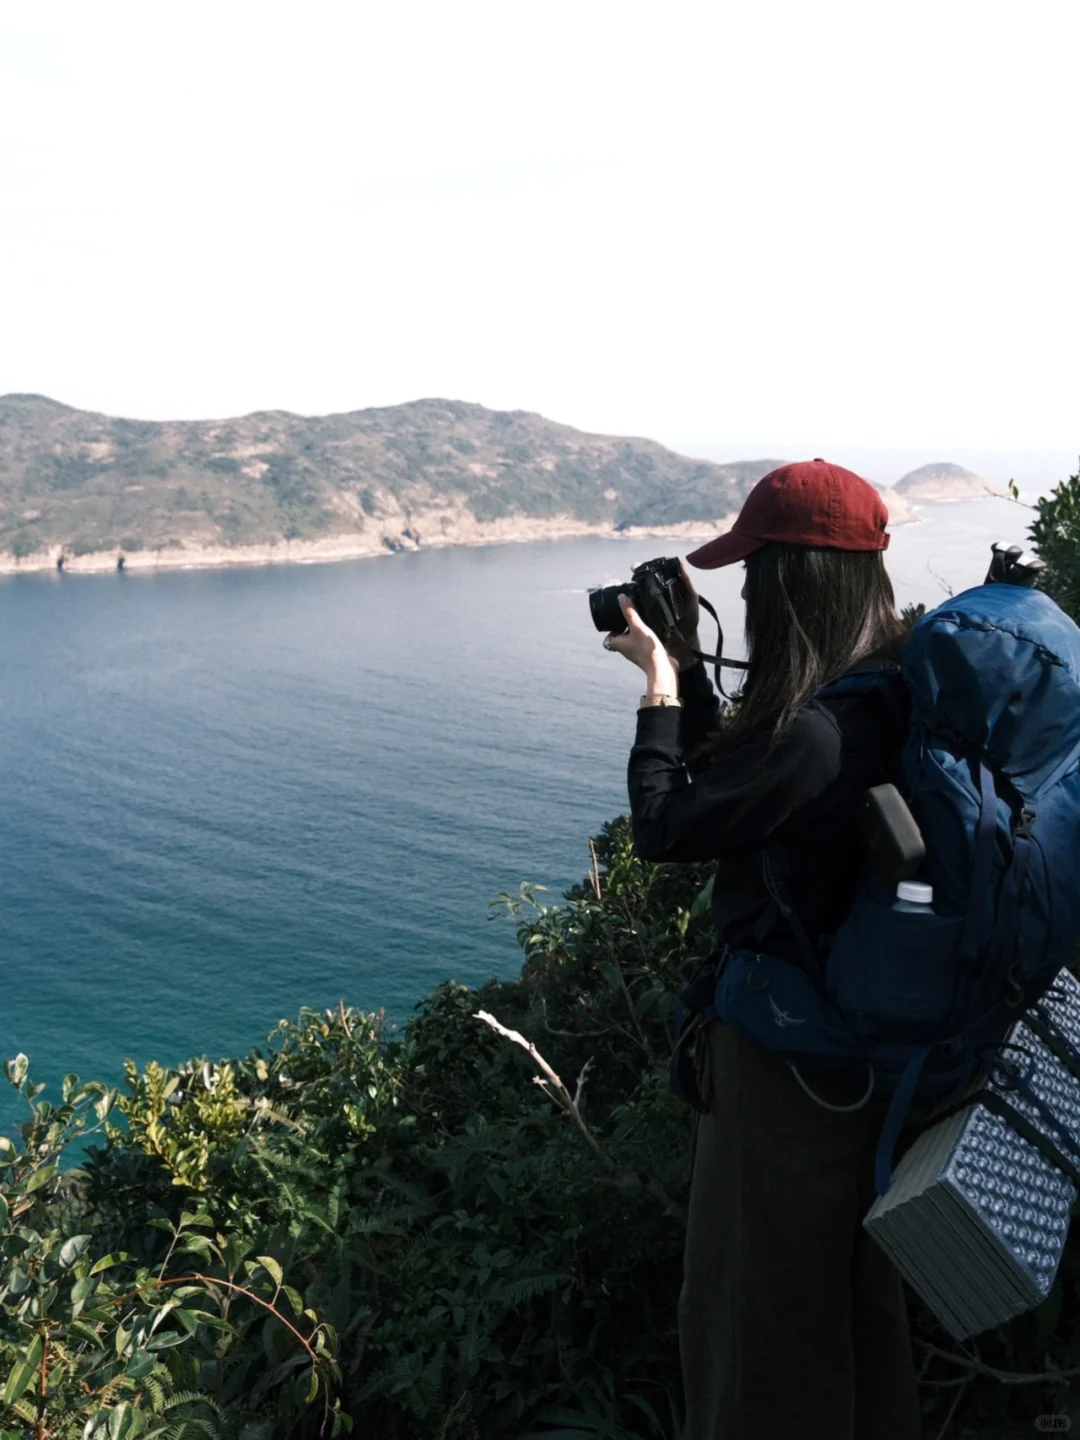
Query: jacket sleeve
{"type": "Point", "coordinates": [738, 801]}
{"type": "Point", "coordinates": [700, 706]}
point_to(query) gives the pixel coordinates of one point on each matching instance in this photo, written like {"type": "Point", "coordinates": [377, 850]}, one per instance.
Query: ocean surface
{"type": "Point", "coordinates": [227, 794]}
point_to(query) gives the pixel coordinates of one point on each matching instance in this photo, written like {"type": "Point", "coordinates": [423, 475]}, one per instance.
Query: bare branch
{"type": "Point", "coordinates": [581, 1081]}
{"type": "Point", "coordinates": [952, 1408]}
{"type": "Point", "coordinates": [550, 1082]}
{"type": "Point", "coordinates": [1007, 1377]}
{"type": "Point", "coordinates": [941, 581]}
{"type": "Point", "coordinates": [571, 1034]}
{"type": "Point", "coordinates": [595, 871]}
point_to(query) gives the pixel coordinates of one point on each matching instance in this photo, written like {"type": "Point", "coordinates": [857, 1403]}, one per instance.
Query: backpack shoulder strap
{"type": "Point", "coordinates": [774, 872]}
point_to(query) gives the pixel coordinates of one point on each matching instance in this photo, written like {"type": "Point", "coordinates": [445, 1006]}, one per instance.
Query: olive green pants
{"type": "Point", "coordinates": [792, 1322]}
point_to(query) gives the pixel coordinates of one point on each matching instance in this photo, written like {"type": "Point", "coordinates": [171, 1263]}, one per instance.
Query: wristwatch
{"type": "Point", "coordinates": [648, 700]}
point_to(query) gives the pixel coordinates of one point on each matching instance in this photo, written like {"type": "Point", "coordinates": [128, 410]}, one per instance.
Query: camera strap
{"type": "Point", "coordinates": [718, 659]}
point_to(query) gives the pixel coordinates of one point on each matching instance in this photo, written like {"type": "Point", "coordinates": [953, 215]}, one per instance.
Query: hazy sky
{"type": "Point", "coordinates": [761, 228]}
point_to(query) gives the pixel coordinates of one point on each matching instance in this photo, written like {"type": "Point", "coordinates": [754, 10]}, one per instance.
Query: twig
{"type": "Point", "coordinates": [952, 1408]}
{"type": "Point", "coordinates": [550, 1083]}
{"type": "Point", "coordinates": [943, 583]}
{"type": "Point", "coordinates": [595, 871]}
{"type": "Point", "coordinates": [1007, 1377]}
{"type": "Point", "coordinates": [581, 1081]}
{"type": "Point", "coordinates": [225, 1284]}
{"type": "Point", "coordinates": [43, 1388]}
{"type": "Point", "coordinates": [571, 1034]}
{"type": "Point", "coordinates": [343, 1019]}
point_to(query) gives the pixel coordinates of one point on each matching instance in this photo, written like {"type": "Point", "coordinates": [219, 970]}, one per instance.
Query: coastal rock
{"type": "Point", "coordinates": [942, 480]}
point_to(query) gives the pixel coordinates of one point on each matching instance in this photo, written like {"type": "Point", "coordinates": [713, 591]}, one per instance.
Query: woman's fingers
{"type": "Point", "coordinates": [633, 619]}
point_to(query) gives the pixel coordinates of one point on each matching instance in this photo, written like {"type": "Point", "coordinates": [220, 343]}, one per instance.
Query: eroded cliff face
{"type": "Point", "coordinates": [396, 530]}
{"type": "Point", "coordinates": [424, 529]}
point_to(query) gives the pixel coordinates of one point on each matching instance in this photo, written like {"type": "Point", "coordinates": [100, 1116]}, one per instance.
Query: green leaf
{"type": "Point", "coordinates": [140, 1365]}
{"type": "Point", "coordinates": [120, 1421]}
{"type": "Point", "coordinates": [293, 1297]}
{"type": "Point", "coordinates": [39, 1178]}
{"type": "Point", "coordinates": [16, 1069]}
{"type": "Point", "coordinates": [74, 1249]}
{"type": "Point", "coordinates": [7, 1148]}
{"type": "Point", "coordinates": [19, 1379]}
{"type": "Point", "coordinates": [83, 1289]}
{"type": "Point", "coordinates": [702, 900]}
{"type": "Point", "coordinates": [611, 973]}
{"type": "Point", "coordinates": [86, 1333]}
{"type": "Point", "coordinates": [117, 1257]}
{"type": "Point", "coordinates": [3, 1212]}
{"type": "Point", "coordinates": [313, 1388]}
{"type": "Point", "coordinates": [67, 1086]}
{"type": "Point", "coordinates": [271, 1266]}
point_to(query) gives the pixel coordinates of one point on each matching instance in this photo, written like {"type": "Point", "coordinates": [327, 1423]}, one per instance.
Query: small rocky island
{"type": "Point", "coordinates": [84, 491]}
{"type": "Point", "coordinates": [942, 480]}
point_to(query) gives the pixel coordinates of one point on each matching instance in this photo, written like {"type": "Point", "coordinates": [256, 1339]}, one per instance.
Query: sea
{"type": "Point", "coordinates": [227, 794]}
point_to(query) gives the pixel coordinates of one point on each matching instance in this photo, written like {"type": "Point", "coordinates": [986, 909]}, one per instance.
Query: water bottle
{"type": "Point", "coordinates": [914, 899]}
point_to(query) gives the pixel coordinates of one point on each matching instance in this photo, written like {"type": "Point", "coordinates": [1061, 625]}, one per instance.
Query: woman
{"type": "Point", "coordinates": [792, 1322]}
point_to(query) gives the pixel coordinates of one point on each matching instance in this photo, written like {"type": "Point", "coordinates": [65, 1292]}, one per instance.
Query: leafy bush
{"type": "Point", "coordinates": [24, 542]}
{"type": "Point", "coordinates": [398, 1224]}
{"type": "Point", "coordinates": [398, 1230]}
{"type": "Point", "coordinates": [1055, 534]}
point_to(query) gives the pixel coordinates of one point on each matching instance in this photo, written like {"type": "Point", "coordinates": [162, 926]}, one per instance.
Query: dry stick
{"type": "Point", "coordinates": [43, 1388]}
{"type": "Point", "coordinates": [595, 871]}
{"type": "Point", "coordinates": [1007, 1377]}
{"type": "Point", "coordinates": [952, 1408]}
{"type": "Point", "coordinates": [553, 1086]}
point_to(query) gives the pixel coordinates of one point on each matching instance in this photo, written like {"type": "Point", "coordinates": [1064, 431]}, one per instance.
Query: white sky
{"type": "Point", "coordinates": [768, 228]}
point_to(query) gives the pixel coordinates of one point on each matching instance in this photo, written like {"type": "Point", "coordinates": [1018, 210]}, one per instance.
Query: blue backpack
{"type": "Point", "coordinates": [990, 769]}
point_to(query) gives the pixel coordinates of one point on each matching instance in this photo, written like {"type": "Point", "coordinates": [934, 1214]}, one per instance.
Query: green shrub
{"type": "Point", "coordinates": [1055, 534]}
{"type": "Point", "coordinates": [23, 543]}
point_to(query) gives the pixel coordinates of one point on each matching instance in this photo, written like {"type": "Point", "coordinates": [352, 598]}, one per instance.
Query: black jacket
{"type": "Point", "coordinates": [804, 798]}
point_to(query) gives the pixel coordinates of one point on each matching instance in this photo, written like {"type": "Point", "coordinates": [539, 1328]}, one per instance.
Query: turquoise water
{"type": "Point", "coordinates": [227, 794]}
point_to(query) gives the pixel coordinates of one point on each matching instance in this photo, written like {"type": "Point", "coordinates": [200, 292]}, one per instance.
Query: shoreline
{"type": "Point", "coordinates": [354, 546]}
{"type": "Point", "coordinates": [433, 530]}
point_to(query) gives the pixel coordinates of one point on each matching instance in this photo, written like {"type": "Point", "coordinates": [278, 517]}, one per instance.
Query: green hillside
{"type": "Point", "coordinates": [94, 482]}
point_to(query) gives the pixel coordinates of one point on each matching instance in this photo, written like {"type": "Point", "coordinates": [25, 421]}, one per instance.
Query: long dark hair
{"type": "Point", "coordinates": [811, 615]}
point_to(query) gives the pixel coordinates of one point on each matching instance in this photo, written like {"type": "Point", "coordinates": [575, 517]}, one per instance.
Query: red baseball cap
{"type": "Point", "coordinates": [807, 503]}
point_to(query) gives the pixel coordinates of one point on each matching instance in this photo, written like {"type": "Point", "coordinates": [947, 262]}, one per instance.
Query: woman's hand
{"type": "Point", "coordinates": [684, 641]}
{"type": "Point", "coordinates": [682, 644]}
{"type": "Point", "coordinates": [644, 648]}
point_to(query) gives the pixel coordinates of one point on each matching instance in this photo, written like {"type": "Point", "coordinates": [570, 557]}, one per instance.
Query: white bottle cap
{"type": "Point", "coordinates": [914, 892]}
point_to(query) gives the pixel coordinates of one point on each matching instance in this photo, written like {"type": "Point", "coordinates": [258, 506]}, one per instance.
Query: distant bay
{"type": "Point", "coordinates": [230, 793]}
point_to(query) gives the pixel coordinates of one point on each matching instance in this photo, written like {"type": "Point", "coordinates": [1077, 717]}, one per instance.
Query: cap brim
{"type": "Point", "coordinates": [725, 550]}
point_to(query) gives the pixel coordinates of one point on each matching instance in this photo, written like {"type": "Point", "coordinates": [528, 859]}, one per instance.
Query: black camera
{"type": "Point", "coordinates": [656, 593]}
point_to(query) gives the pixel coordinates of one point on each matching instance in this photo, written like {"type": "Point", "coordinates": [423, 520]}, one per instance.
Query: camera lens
{"type": "Point", "coordinates": [605, 610]}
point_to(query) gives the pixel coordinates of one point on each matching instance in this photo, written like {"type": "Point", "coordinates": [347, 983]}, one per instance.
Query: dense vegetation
{"type": "Point", "coordinates": [91, 482]}
{"type": "Point", "coordinates": [398, 1232]}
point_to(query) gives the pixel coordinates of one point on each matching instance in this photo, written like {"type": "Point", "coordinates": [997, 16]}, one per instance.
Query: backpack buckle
{"type": "Point", "coordinates": [752, 973]}
{"type": "Point", "coordinates": [1014, 988]}
{"type": "Point", "coordinates": [1025, 825]}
